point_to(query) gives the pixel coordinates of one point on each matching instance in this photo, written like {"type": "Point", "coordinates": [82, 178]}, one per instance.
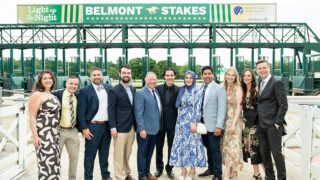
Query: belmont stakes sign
{"type": "Point", "coordinates": [146, 13]}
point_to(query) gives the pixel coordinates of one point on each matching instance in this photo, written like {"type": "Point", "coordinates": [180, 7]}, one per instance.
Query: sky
{"type": "Point", "coordinates": [287, 11]}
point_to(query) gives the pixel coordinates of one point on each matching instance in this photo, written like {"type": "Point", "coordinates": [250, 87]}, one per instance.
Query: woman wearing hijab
{"type": "Point", "coordinates": [187, 148]}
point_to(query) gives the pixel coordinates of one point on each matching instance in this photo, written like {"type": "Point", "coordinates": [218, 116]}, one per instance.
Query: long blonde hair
{"type": "Point", "coordinates": [236, 82]}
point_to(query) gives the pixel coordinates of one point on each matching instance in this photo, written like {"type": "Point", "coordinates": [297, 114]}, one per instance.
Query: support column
{"type": "Point", "coordinates": [64, 63]}
{"type": "Point", "coordinates": [190, 53]}
{"type": "Point", "coordinates": [273, 60]}
{"type": "Point", "coordinates": [42, 59]}
{"type": "Point", "coordinates": [237, 60]}
{"type": "Point", "coordinates": [106, 65]}
{"type": "Point", "coordinates": [56, 68]}
{"type": "Point", "coordinates": [21, 61]}
{"type": "Point", "coordinates": [231, 57]}
{"type": "Point", "coordinates": [85, 69]}
{"type": "Point", "coordinates": [252, 59]}
{"type": "Point", "coordinates": [169, 58]}
{"type": "Point", "coordinates": [295, 61]}
{"type": "Point", "coordinates": [1, 63]}
{"type": "Point", "coordinates": [11, 63]}
{"type": "Point", "coordinates": [281, 61]}
{"type": "Point", "coordinates": [33, 62]}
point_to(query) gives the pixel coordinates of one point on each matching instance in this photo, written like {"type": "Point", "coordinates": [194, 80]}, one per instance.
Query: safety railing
{"type": "Point", "coordinates": [302, 143]}
{"type": "Point", "coordinates": [15, 152]}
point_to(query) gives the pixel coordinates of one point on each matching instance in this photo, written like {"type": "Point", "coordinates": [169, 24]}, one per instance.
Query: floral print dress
{"type": "Point", "coordinates": [232, 143]}
{"type": "Point", "coordinates": [187, 148]}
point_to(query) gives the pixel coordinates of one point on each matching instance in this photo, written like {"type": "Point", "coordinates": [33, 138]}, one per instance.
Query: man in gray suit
{"type": "Point", "coordinates": [272, 107]}
{"type": "Point", "coordinates": [214, 110]}
{"type": "Point", "coordinates": [147, 108]}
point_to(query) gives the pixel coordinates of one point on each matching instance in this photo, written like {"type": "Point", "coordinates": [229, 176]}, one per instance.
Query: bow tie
{"type": "Point", "coordinates": [99, 88]}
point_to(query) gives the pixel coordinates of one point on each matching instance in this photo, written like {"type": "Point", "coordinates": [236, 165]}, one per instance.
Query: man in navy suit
{"type": "Point", "coordinates": [68, 123]}
{"type": "Point", "coordinates": [168, 93]}
{"type": "Point", "coordinates": [121, 121]}
{"type": "Point", "coordinates": [272, 108]}
{"type": "Point", "coordinates": [147, 109]}
{"type": "Point", "coordinates": [93, 121]}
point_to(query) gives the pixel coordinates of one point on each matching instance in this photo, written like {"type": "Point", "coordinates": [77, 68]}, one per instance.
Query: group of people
{"type": "Point", "coordinates": [244, 119]}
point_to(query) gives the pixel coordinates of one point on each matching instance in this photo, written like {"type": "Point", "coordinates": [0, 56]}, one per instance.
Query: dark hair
{"type": "Point", "coordinates": [206, 68]}
{"type": "Point", "coordinates": [169, 69]}
{"type": "Point", "coordinates": [124, 66]}
{"type": "Point", "coordinates": [261, 61]}
{"type": "Point", "coordinates": [253, 91]}
{"type": "Point", "coordinates": [95, 69]}
{"type": "Point", "coordinates": [38, 86]}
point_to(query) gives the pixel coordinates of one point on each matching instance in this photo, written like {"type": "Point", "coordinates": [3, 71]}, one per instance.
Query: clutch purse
{"type": "Point", "coordinates": [201, 128]}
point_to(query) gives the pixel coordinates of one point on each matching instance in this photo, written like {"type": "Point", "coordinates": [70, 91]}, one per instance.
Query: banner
{"type": "Point", "coordinates": [146, 13]}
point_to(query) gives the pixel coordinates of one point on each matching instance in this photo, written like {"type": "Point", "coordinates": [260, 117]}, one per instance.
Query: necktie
{"type": "Point", "coordinates": [204, 93]}
{"type": "Point", "coordinates": [155, 98]}
{"type": "Point", "coordinates": [73, 121]}
{"type": "Point", "coordinates": [261, 87]}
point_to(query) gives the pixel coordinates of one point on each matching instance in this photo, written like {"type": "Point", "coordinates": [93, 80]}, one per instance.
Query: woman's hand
{"type": "Point", "coordinates": [36, 142]}
{"type": "Point", "coordinates": [193, 128]}
{"type": "Point", "coordinates": [232, 129]}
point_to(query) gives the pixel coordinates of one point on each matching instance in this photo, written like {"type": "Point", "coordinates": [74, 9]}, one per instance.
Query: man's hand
{"type": "Point", "coordinates": [217, 132]}
{"type": "Point", "coordinates": [277, 126]}
{"type": "Point", "coordinates": [143, 134]}
{"type": "Point", "coordinates": [87, 134]}
{"type": "Point", "coordinates": [114, 134]}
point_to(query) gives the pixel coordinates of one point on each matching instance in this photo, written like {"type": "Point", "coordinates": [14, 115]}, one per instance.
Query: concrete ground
{"type": "Point", "coordinates": [31, 171]}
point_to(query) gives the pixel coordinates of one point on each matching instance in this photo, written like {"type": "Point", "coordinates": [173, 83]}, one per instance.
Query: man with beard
{"type": "Point", "coordinates": [168, 94]}
{"type": "Point", "coordinates": [121, 120]}
{"type": "Point", "coordinates": [93, 121]}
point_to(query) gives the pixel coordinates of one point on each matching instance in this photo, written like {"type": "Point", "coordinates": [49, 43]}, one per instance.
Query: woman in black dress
{"type": "Point", "coordinates": [249, 103]}
{"type": "Point", "coordinates": [44, 120]}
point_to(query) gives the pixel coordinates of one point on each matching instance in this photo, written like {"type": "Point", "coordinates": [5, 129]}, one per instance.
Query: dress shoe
{"type": "Point", "coordinates": [170, 175]}
{"type": "Point", "coordinates": [157, 173]}
{"type": "Point", "coordinates": [143, 178]}
{"type": "Point", "coordinates": [216, 178]}
{"type": "Point", "coordinates": [129, 178]}
{"type": "Point", "coordinates": [206, 173]}
{"type": "Point", "coordinates": [150, 177]}
{"type": "Point", "coordinates": [109, 178]}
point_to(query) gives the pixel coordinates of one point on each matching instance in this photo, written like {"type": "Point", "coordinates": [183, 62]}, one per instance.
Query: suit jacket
{"type": "Point", "coordinates": [59, 95]}
{"type": "Point", "coordinates": [215, 107]}
{"type": "Point", "coordinates": [169, 112]}
{"type": "Point", "coordinates": [88, 104]}
{"type": "Point", "coordinates": [272, 104]}
{"type": "Point", "coordinates": [120, 110]}
{"type": "Point", "coordinates": [146, 112]}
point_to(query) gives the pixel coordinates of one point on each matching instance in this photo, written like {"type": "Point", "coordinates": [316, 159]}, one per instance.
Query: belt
{"type": "Point", "coordinates": [99, 122]}
{"type": "Point", "coordinates": [66, 127]}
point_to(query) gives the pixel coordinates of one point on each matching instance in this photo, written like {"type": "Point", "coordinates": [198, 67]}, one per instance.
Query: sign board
{"type": "Point", "coordinates": [146, 13]}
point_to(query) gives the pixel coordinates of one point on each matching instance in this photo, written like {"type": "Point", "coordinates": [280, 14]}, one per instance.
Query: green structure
{"type": "Point", "coordinates": [190, 26]}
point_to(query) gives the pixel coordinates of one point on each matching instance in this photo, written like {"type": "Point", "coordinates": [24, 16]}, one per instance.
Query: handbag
{"type": "Point", "coordinates": [201, 128]}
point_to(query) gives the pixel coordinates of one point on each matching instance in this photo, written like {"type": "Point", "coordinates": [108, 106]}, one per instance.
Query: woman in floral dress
{"type": "Point", "coordinates": [187, 148]}
{"type": "Point", "coordinates": [250, 141]}
{"type": "Point", "coordinates": [232, 137]}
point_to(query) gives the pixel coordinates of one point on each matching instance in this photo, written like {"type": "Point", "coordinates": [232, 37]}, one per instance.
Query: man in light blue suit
{"type": "Point", "coordinates": [214, 110]}
{"type": "Point", "coordinates": [147, 109]}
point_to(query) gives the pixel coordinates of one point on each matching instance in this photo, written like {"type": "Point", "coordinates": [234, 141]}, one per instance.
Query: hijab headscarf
{"type": "Point", "coordinates": [186, 87]}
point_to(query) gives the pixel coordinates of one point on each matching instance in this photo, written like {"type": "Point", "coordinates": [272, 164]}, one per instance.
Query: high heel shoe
{"type": "Point", "coordinates": [191, 175]}
{"type": "Point", "coordinates": [257, 177]}
{"type": "Point", "coordinates": [181, 177]}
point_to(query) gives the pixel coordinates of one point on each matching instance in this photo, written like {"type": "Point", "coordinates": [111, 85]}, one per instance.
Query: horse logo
{"type": "Point", "coordinates": [152, 10]}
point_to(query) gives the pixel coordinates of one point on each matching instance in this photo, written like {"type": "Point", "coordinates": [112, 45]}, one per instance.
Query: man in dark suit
{"type": "Point", "coordinates": [93, 121]}
{"type": "Point", "coordinates": [68, 123]}
{"type": "Point", "coordinates": [168, 93]}
{"type": "Point", "coordinates": [272, 108]}
{"type": "Point", "coordinates": [121, 121]}
{"type": "Point", "coordinates": [147, 108]}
